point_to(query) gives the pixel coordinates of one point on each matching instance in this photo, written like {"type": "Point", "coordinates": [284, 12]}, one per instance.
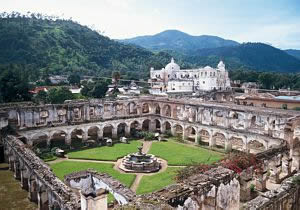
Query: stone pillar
{"type": "Point", "coordinates": [245, 183]}
{"type": "Point", "coordinates": [286, 165]}
{"type": "Point", "coordinates": [11, 163]}
{"type": "Point", "coordinates": [32, 190]}
{"type": "Point", "coordinates": [42, 200]}
{"type": "Point", "coordinates": [274, 173]}
{"type": "Point", "coordinates": [24, 179]}
{"type": "Point", "coordinates": [196, 137]}
{"type": "Point", "coordinates": [100, 134]}
{"type": "Point", "coordinates": [152, 126]}
{"type": "Point", "coordinates": [184, 134]}
{"type": "Point", "coordinates": [85, 136]}
{"type": "Point", "coordinates": [114, 132]}
{"type": "Point", "coordinates": [127, 131]}
{"type": "Point", "coordinates": [296, 159]}
{"type": "Point", "coordinates": [17, 170]}
{"type": "Point", "coordinates": [261, 177]}
{"type": "Point", "coordinates": [228, 145]}
{"type": "Point", "coordinates": [173, 131]}
{"type": "Point", "coordinates": [212, 141]}
{"type": "Point", "coordinates": [163, 127]}
{"type": "Point", "coordinates": [68, 139]}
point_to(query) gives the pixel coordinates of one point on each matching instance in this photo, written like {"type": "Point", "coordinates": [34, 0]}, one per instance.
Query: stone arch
{"type": "Point", "coordinates": [191, 134]}
{"type": "Point", "coordinates": [134, 128]}
{"type": "Point", "coordinates": [121, 129]}
{"type": "Point", "coordinates": [234, 115]}
{"type": "Point", "coordinates": [146, 125]}
{"type": "Point", "coordinates": [237, 143]}
{"type": "Point", "coordinates": [204, 136]}
{"type": "Point", "coordinates": [167, 110]}
{"type": "Point", "coordinates": [131, 108]}
{"type": "Point", "coordinates": [253, 121]}
{"type": "Point", "coordinates": [145, 108]}
{"type": "Point", "coordinates": [108, 131]}
{"type": "Point", "coordinates": [178, 130]}
{"type": "Point", "coordinates": [256, 146]}
{"type": "Point", "coordinates": [77, 137]}
{"type": "Point", "coordinates": [40, 140]}
{"type": "Point", "coordinates": [167, 126]}
{"type": "Point", "coordinates": [219, 139]}
{"type": "Point", "coordinates": [58, 139]}
{"type": "Point", "coordinates": [156, 109]}
{"type": "Point", "coordinates": [157, 125]}
{"type": "Point", "coordinates": [92, 132]}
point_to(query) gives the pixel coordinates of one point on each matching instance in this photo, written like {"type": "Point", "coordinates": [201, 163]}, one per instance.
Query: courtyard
{"type": "Point", "coordinates": [173, 155]}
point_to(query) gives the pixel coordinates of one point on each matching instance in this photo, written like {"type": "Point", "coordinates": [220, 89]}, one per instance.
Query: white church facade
{"type": "Point", "coordinates": [172, 79]}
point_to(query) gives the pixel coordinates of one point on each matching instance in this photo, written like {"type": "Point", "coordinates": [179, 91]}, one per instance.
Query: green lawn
{"type": "Point", "coordinates": [65, 167]}
{"type": "Point", "coordinates": [180, 154]}
{"type": "Point", "coordinates": [113, 153]}
{"type": "Point", "coordinates": [158, 181]}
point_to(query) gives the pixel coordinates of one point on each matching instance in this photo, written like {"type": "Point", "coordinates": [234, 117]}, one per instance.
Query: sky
{"type": "Point", "coordinates": [276, 22]}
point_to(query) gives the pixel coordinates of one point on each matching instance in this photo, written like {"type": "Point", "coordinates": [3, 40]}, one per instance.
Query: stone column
{"type": "Point", "coordinates": [24, 179]}
{"type": "Point", "coordinates": [196, 137]}
{"type": "Point", "coordinates": [184, 134]}
{"type": "Point", "coordinates": [228, 145]}
{"type": "Point", "coordinates": [42, 200]}
{"type": "Point", "coordinates": [286, 165]}
{"type": "Point", "coordinates": [296, 159]}
{"type": "Point", "coordinates": [163, 128]}
{"type": "Point", "coordinates": [85, 136]}
{"type": "Point", "coordinates": [245, 183]}
{"type": "Point", "coordinates": [17, 171]}
{"type": "Point", "coordinates": [212, 141]}
{"type": "Point", "coordinates": [173, 131]}
{"type": "Point", "coordinates": [152, 127]}
{"type": "Point", "coordinates": [274, 173]}
{"type": "Point", "coordinates": [100, 134]}
{"type": "Point", "coordinates": [114, 132]}
{"type": "Point", "coordinates": [68, 139]}
{"type": "Point", "coordinates": [32, 190]}
{"type": "Point", "coordinates": [127, 131]}
{"type": "Point", "coordinates": [261, 177]}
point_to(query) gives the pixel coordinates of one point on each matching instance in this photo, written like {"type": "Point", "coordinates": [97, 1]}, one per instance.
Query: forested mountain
{"type": "Point", "coordinates": [178, 41]}
{"type": "Point", "coordinates": [255, 56]}
{"type": "Point", "coordinates": [45, 45]}
{"type": "Point", "coordinates": [295, 53]}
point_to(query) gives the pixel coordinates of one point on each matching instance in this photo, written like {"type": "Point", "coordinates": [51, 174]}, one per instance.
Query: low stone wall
{"type": "Point", "coordinates": [286, 197]}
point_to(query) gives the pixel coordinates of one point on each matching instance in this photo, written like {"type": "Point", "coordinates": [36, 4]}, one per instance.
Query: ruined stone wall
{"type": "Point", "coordinates": [37, 177]}
{"type": "Point", "coordinates": [286, 197]}
{"type": "Point", "coordinates": [217, 188]}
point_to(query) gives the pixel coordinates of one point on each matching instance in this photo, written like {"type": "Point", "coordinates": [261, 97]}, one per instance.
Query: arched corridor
{"type": "Point", "coordinates": [146, 125]}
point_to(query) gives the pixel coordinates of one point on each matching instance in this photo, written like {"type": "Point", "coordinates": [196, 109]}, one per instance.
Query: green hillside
{"type": "Point", "coordinates": [44, 46]}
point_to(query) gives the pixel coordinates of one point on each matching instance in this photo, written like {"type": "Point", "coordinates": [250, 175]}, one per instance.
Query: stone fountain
{"type": "Point", "coordinates": [140, 162]}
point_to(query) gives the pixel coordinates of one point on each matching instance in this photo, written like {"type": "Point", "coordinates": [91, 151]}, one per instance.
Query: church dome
{"type": "Point", "coordinates": [172, 66]}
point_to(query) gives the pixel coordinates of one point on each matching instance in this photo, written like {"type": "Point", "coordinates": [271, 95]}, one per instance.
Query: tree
{"type": "Point", "coordinates": [116, 77]}
{"type": "Point", "coordinates": [13, 85]}
{"type": "Point", "coordinates": [99, 89]}
{"type": "Point", "coordinates": [41, 96]}
{"type": "Point", "coordinates": [59, 95]}
{"type": "Point", "coordinates": [74, 79]}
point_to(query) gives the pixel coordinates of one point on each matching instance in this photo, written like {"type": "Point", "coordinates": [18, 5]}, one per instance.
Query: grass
{"type": "Point", "coordinates": [113, 153]}
{"type": "Point", "coordinates": [156, 182]}
{"type": "Point", "coordinates": [180, 154]}
{"type": "Point", "coordinates": [66, 167]}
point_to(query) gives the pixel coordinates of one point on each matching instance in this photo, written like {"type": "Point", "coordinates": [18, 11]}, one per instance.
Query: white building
{"type": "Point", "coordinates": [172, 79]}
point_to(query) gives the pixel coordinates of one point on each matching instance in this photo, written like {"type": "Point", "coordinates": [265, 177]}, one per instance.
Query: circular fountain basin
{"type": "Point", "coordinates": [140, 163]}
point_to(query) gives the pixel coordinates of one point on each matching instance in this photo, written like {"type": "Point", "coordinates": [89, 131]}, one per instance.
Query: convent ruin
{"type": "Point", "coordinates": [272, 134]}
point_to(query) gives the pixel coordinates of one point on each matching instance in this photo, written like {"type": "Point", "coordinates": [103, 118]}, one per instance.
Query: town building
{"type": "Point", "coordinates": [172, 79]}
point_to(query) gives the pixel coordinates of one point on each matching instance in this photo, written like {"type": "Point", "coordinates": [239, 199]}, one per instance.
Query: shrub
{"type": "Point", "coordinates": [296, 180]}
{"type": "Point", "coordinates": [145, 135]}
{"type": "Point", "coordinates": [252, 188]}
{"type": "Point", "coordinates": [168, 133]}
{"type": "Point", "coordinates": [284, 106]}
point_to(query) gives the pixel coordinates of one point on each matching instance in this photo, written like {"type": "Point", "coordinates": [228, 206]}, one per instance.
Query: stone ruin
{"type": "Point", "coordinates": [273, 135]}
